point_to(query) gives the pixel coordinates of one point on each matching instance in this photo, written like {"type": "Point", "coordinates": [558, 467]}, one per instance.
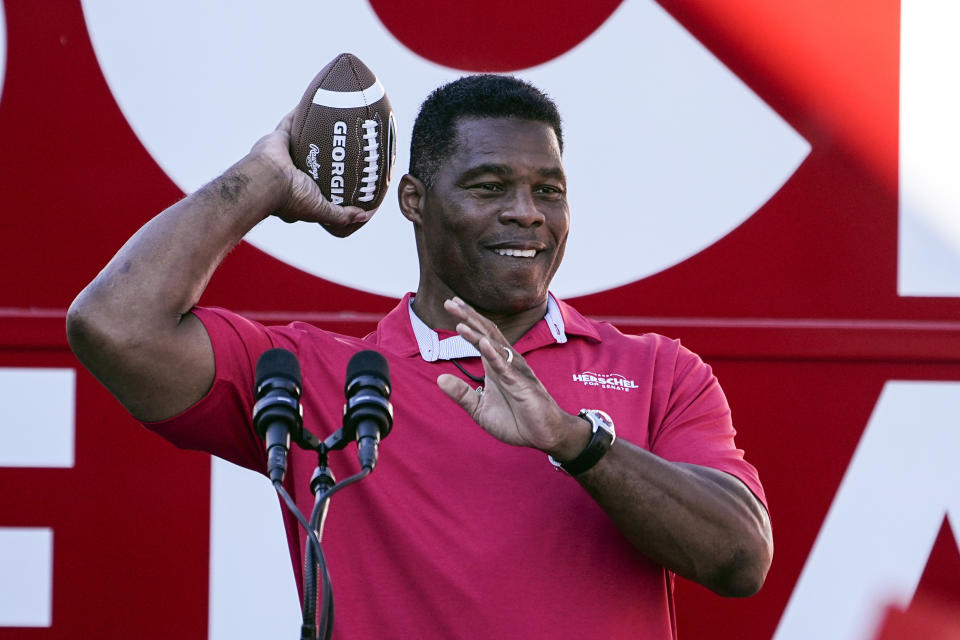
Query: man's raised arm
{"type": "Point", "coordinates": [131, 326]}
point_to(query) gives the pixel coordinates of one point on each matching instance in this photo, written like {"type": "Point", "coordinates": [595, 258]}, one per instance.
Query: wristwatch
{"type": "Point", "coordinates": [603, 437]}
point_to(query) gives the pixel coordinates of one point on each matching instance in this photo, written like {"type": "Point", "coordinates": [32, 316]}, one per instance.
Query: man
{"type": "Point", "coordinates": [458, 534]}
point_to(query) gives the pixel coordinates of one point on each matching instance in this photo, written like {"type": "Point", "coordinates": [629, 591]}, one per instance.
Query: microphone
{"type": "Point", "coordinates": [277, 412]}
{"type": "Point", "coordinates": [368, 414]}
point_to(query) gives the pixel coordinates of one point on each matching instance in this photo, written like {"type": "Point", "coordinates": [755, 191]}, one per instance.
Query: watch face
{"type": "Point", "coordinates": [599, 418]}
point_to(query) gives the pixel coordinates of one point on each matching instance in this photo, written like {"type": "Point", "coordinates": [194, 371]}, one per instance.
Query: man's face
{"type": "Point", "coordinates": [495, 223]}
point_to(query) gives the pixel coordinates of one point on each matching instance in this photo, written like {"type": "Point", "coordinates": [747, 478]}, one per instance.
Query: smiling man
{"type": "Point", "coordinates": [547, 476]}
{"type": "Point", "coordinates": [493, 223]}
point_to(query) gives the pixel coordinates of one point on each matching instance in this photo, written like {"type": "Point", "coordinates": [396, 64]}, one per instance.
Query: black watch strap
{"type": "Point", "coordinates": [600, 442]}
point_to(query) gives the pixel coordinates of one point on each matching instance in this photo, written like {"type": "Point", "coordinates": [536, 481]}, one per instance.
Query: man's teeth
{"type": "Point", "coordinates": [518, 253]}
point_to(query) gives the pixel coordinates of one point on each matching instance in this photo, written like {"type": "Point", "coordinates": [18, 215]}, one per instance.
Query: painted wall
{"type": "Point", "coordinates": [771, 182]}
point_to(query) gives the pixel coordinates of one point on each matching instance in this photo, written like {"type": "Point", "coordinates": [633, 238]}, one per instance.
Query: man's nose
{"type": "Point", "coordinates": [522, 209]}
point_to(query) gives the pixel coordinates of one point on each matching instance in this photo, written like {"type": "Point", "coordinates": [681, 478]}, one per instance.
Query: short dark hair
{"type": "Point", "coordinates": [479, 96]}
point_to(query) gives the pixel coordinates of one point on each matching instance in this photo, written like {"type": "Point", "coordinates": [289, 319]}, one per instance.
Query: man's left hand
{"type": "Point", "coordinates": [514, 407]}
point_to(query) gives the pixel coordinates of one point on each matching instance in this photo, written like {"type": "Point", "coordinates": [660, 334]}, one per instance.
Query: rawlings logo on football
{"type": "Point", "coordinates": [312, 163]}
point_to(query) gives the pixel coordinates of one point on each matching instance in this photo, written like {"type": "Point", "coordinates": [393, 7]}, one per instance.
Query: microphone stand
{"type": "Point", "coordinates": [321, 482]}
{"type": "Point", "coordinates": [323, 485]}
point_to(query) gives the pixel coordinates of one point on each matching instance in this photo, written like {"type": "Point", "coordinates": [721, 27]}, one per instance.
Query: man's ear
{"type": "Point", "coordinates": [410, 195]}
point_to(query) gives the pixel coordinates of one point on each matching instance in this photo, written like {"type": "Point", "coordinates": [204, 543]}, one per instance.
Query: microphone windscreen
{"type": "Point", "coordinates": [278, 363]}
{"type": "Point", "coordinates": [368, 363]}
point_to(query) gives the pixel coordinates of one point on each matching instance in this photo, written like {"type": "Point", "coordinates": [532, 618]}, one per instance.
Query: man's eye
{"type": "Point", "coordinates": [487, 186]}
{"type": "Point", "coordinates": [549, 190]}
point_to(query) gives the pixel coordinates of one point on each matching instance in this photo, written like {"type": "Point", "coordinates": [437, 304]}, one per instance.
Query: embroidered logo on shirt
{"type": "Point", "coordinates": [613, 381]}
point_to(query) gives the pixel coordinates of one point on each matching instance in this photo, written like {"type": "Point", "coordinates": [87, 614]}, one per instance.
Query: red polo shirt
{"type": "Point", "coordinates": [457, 535]}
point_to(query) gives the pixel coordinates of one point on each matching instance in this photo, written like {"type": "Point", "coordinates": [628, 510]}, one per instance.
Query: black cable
{"type": "Point", "coordinates": [477, 379]}
{"type": "Point", "coordinates": [326, 606]}
{"type": "Point", "coordinates": [364, 472]}
{"type": "Point", "coordinates": [310, 626]}
{"type": "Point", "coordinates": [308, 630]}
{"type": "Point", "coordinates": [311, 535]}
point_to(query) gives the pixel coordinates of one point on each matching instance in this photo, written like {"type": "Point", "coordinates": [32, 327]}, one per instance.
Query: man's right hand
{"type": "Point", "coordinates": [301, 199]}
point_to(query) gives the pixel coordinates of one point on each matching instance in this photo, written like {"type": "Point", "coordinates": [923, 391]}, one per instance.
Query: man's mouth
{"type": "Point", "coordinates": [517, 253]}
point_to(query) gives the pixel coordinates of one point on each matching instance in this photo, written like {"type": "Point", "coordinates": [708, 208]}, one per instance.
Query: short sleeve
{"type": "Point", "coordinates": [221, 423]}
{"type": "Point", "coordinates": [697, 427]}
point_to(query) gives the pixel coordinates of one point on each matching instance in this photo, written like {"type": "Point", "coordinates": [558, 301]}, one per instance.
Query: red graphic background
{"type": "Point", "coordinates": [797, 309]}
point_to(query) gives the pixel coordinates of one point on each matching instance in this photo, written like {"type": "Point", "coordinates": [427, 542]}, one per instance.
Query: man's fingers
{"type": "Point", "coordinates": [471, 316]}
{"type": "Point", "coordinates": [473, 325]}
{"type": "Point", "coordinates": [504, 360]}
{"type": "Point", "coordinates": [355, 218]}
{"type": "Point", "coordinates": [307, 203]}
{"type": "Point", "coordinates": [482, 333]}
{"type": "Point", "coordinates": [344, 216]}
{"type": "Point", "coordinates": [460, 392]}
{"type": "Point", "coordinates": [341, 231]}
{"type": "Point", "coordinates": [286, 122]}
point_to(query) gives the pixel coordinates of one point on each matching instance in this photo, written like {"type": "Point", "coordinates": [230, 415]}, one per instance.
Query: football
{"type": "Point", "coordinates": [344, 134]}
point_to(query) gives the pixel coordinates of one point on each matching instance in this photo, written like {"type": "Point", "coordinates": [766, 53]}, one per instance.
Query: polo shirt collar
{"type": "Point", "coordinates": [406, 334]}
{"type": "Point", "coordinates": [433, 347]}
